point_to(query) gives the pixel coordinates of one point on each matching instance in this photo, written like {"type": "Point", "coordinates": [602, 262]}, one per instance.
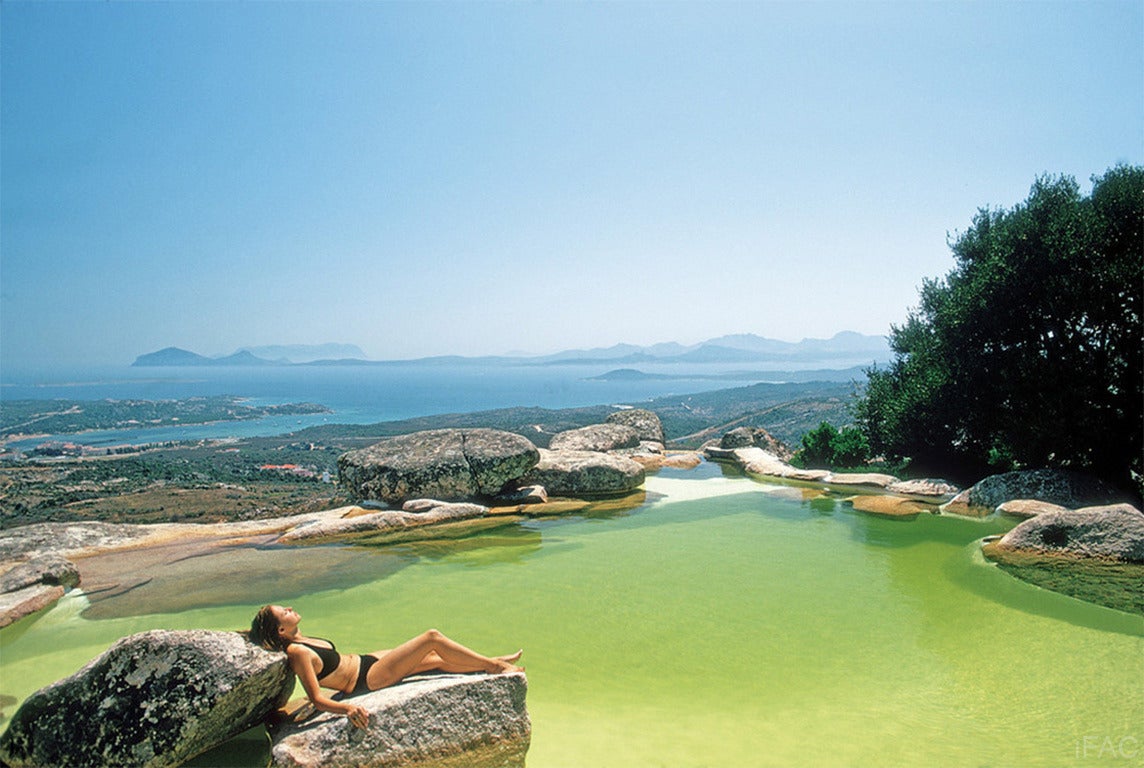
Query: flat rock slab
{"type": "Point", "coordinates": [375, 524]}
{"type": "Point", "coordinates": [473, 720]}
{"type": "Point", "coordinates": [20, 603]}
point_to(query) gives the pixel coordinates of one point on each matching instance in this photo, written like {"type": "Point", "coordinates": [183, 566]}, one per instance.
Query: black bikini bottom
{"type": "Point", "coordinates": [362, 686]}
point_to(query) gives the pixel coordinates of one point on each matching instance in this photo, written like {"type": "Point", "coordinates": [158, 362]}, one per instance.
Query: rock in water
{"type": "Point", "coordinates": [646, 423]}
{"type": "Point", "coordinates": [1115, 532]}
{"type": "Point", "coordinates": [153, 699]}
{"type": "Point", "coordinates": [597, 437]}
{"type": "Point", "coordinates": [476, 721]}
{"type": "Point", "coordinates": [447, 464]}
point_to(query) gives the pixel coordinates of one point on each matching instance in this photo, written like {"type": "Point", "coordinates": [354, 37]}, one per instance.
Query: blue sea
{"type": "Point", "coordinates": [355, 394]}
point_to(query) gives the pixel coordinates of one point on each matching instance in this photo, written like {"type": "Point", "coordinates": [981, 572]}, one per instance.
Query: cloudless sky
{"type": "Point", "coordinates": [478, 178]}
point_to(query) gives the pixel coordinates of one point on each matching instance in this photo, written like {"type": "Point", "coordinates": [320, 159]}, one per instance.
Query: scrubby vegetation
{"type": "Point", "coordinates": [1029, 353]}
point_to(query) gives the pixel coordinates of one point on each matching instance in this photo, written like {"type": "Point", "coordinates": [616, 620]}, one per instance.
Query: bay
{"type": "Point", "coordinates": [363, 394]}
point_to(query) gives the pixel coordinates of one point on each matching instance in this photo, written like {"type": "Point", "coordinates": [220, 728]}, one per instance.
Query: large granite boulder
{"type": "Point", "coordinates": [755, 437]}
{"type": "Point", "coordinates": [596, 437]}
{"type": "Point", "coordinates": [476, 721]}
{"type": "Point", "coordinates": [1056, 486]}
{"type": "Point", "coordinates": [153, 699]}
{"type": "Point", "coordinates": [33, 585]}
{"type": "Point", "coordinates": [646, 423]}
{"type": "Point", "coordinates": [447, 464]}
{"type": "Point", "coordinates": [1115, 532]}
{"type": "Point", "coordinates": [585, 474]}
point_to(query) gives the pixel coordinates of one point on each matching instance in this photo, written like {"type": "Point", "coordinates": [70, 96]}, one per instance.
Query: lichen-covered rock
{"type": "Point", "coordinates": [596, 437]}
{"type": "Point", "coordinates": [646, 423]}
{"type": "Point", "coordinates": [447, 464]}
{"type": "Point", "coordinates": [471, 720]}
{"type": "Point", "coordinates": [1115, 531]}
{"type": "Point", "coordinates": [153, 699]}
{"type": "Point", "coordinates": [1056, 486]}
{"type": "Point", "coordinates": [585, 474]}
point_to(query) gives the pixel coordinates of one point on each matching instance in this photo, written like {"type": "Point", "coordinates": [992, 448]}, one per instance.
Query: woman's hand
{"type": "Point", "coordinates": [358, 716]}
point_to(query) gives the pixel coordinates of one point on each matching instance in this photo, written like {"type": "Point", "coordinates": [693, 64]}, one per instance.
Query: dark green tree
{"type": "Point", "coordinates": [1029, 353]}
{"type": "Point", "coordinates": [827, 447]}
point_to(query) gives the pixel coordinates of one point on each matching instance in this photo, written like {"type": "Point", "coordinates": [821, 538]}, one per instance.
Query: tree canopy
{"type": "Point", "coordinates": [1029, 352]}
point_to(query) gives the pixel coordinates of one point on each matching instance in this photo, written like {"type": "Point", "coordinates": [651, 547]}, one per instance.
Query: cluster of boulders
{"type": "Point", "coordinates": [160, 698]}
{"type": "Point", "coordinates": [496, 467]}
{"type": "Point", "coordinates": [1066, 513]}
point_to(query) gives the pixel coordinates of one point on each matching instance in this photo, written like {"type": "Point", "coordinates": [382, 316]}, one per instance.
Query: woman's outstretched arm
{"type": "Point", "coordinates": [304, 669]}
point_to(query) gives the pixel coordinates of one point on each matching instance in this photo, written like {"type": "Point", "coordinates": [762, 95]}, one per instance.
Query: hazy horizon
{"type": "Point", "coordinates": [478, 179]}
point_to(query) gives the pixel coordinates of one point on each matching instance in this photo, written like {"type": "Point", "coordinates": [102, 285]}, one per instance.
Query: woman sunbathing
{"type": "Point", "coordinates": [319, 665]}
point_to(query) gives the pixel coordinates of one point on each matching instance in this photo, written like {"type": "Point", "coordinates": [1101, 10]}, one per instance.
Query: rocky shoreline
{"type": "Point", "coordinates": [452, 483]}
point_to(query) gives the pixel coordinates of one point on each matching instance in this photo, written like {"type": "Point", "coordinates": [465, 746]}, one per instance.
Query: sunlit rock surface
{"type": "Point", "coordinates": [476, 721]}
{"type": "Point", "coordinates": [447, 464]}
{"type": "Point", "coordinates": [585, 474]}
{"type": "Point", "coordinates": [153, 699]}
{"type": "Point", "coordinates": [596, 437]}
{"type": "Point", "coordinates": [1115, 532]}
{"type": "Point", "coordinates": [646, 423]}
{"type": "Point", "coordinates": [33, 585]}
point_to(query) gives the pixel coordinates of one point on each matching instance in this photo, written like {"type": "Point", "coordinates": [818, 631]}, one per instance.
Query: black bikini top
{"type": "Point", "coordinates": [329, 657]}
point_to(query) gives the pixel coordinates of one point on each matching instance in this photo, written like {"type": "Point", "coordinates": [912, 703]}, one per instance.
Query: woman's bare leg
{"type": "Point", "coordinates": [414, 655]}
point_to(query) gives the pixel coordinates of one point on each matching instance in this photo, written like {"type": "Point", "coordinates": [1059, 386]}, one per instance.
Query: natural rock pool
{"type": "Point", "coordinates": [723, 623]}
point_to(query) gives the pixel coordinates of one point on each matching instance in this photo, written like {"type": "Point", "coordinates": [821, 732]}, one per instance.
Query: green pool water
{"type": "Point", "coordinates": [723, 623]}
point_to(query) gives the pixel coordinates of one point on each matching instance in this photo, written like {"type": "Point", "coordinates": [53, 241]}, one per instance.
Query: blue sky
{"type": "Point", "coordinates": [478, 178]}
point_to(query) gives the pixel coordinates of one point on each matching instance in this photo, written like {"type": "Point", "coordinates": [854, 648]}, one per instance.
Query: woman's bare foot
{"type": "Point", "coordinates": [511, 657]}
{"type": "Point", "coordinates": [505, 668]}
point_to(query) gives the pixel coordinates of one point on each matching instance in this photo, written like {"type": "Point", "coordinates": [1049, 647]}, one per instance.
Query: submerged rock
{"type": "Point", "coordinates": [585, 474]}
{"type": "Point", "coordinates": [154, 699]}
{"type": "Point", "coordinates": [449, 464]}
{"type": "Point", "coordinates": [473, 720]}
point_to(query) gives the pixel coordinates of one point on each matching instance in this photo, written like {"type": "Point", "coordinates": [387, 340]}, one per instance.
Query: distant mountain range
{"type": "Point", "coordinates": [846, 348]}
